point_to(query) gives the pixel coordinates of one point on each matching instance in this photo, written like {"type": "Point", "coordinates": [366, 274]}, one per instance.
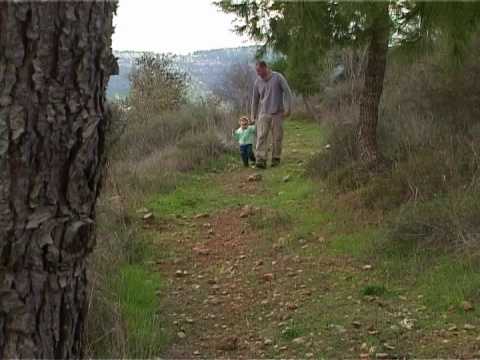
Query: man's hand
{"type": "Point", "coordinates": [287, 113]}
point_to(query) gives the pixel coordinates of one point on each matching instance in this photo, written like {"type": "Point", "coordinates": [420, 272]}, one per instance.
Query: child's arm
{"type": "Point", "coordinates": [235, 134]}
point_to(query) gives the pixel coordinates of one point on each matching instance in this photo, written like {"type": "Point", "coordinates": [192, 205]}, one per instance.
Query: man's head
{"type": "Point", "coordinates": [262, 69]}
{"type": "Point", "coordinates": [244, 122]}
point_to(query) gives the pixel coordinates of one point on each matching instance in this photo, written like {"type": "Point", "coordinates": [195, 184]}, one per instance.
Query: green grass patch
{"type": "Point", "coordinates": [136, 289]}
{"type": "Point", "coordinates": [374, 290]}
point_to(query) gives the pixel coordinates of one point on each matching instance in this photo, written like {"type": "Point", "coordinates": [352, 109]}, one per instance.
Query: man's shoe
{"type": "Point", "coordinates": [275, 162]}
{"type": "Point", "coordinates": [261, 164]}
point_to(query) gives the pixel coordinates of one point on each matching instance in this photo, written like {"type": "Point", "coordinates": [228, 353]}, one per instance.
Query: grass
{"type": "Point", "coordinates": [299, 228]}
{"type": "Point", "coordinates": [137, 288]}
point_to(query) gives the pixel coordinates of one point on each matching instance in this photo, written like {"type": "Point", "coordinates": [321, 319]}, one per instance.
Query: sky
{"type": "Point", "coordinates": [175, 26]}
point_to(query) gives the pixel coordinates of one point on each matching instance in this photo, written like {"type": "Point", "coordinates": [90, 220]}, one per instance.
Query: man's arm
{"type": "Point", "coordinates": [287, 95]}
{"type": "Point", "coordinates": [255, 101]}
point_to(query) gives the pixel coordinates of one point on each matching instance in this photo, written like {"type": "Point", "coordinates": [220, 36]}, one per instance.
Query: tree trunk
{"type": "Point", "coordinates": [55, 63]}
{"type": "Point", "coordinates": [365, 137]}
{"type": "Point", "coordinates": [309, 108]}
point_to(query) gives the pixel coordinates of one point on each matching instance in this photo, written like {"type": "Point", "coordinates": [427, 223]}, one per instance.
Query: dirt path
{"type": "Point", "coordinates": [235, 292]}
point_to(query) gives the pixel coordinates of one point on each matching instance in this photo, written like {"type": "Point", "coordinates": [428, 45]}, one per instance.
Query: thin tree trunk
{"type": "Point", "coordinates": [366, 133]}
{"type": "Point", "coordinates": [55, 62]}
{"type": "Point", "coordinates": [309, 108]}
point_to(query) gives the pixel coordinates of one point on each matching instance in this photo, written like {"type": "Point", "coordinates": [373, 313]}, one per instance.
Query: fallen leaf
{"type": "Point", "coordinates": [254, 177]}
{"type": "Point", "coordinates": [466, 305]}
{"type": "Point", "coordinates": [200, 216]}
{"type": "Point", "coordinates": [387, 346]}
{"type": "Point", "coordinates": [291, 305]}
{"type": "Point", "coordinates": [367, 267]}
{"type": "Point", "coordinates": [453, 328]}
{"type": "Point", "coordinates": [229, 343]}
{"type": "Point", "coordinates": [268, 277]}
{"type": "Point", "coordinates": [469, 327]}
{"type": "Point", "coordinates": [201, 251]}
{"type": "Point", "coordinates": [147, 216]}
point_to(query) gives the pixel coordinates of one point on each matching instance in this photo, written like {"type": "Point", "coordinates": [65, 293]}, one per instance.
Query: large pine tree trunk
{"type": "Point", "coordinates": [55, 62]}
{"type": "Point", "coordinates": [366, 133]}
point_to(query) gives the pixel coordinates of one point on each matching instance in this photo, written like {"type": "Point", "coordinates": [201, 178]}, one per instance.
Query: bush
{"type": "Point", "coordinates": [447, 224]}
{"type": "Point", "coordinates": [197, 150]}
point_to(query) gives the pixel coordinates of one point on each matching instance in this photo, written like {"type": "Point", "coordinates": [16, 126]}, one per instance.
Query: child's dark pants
{"type": "Point", "coordinates": [247, 153]}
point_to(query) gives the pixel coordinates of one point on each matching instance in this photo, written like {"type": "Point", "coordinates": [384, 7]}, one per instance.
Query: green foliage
{"type": "Point", "coordinates": [156, 85]}
{"type": "Point", "coordinates": [374, 290]}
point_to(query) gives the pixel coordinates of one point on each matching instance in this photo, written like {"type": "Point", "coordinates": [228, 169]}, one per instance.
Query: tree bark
{"type": "Point", "coordinates": [55, 63]}
{"type": "Point", "coordinates": [366, 132]}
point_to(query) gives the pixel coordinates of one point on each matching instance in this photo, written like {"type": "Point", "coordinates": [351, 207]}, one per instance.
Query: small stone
{"type": "Point", "coordinates": [382, 356]}
{"type": "Point", "coordinates": [181, 335]}
{"type": "Point", "coordinates": [356, 324]}
{"type": "Point", "coordinates": [268, 342]}
{"type": "Point", "coordinates": [367, 267]}
{"type": "Point", "coordinates": [469, 327]}
{"type": "Point", "coordinates": [283, 348]}
{"type": "Point", "coordinates": [286, 178]}
{"type": "Point", "coordinates": [298, 341]}
{"type": "Point", "coordinates": [147, 216]}
{"type": "Point", "coordinates": [466, 305]}
{"type": "Point", "coordinates": [180, 273]}
{"type": "Point", "coordinates": [309, 355]}
{"type": "Point", "coordinates": [196, 352]}
{"type": "Point", "coordinates": [453, 328]}
{"type": "Point", "coordinates": [189, 320]}
{"type": "Point", "coordinates": [141, 210]}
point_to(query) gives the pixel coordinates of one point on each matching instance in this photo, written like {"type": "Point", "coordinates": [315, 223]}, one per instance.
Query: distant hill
{"type": "Point", "coordinates": [204, 67]}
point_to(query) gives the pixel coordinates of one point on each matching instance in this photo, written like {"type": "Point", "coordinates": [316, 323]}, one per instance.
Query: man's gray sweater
{"type": "Point", "coordinates": [271, 95]}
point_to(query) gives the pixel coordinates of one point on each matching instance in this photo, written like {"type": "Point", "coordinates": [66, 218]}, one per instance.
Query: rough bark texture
{"type": "Point", "coordinates": [366, 134]}
{"type": "Point", "coordinates": [55, 62]}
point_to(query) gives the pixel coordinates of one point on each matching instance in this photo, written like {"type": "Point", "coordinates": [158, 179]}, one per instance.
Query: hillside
{"type": "Point", "coordinates": [205, 67]}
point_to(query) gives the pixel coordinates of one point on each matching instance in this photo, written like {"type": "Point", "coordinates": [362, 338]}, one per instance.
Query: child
{"type": "Point", "coordinates": [244, 135]}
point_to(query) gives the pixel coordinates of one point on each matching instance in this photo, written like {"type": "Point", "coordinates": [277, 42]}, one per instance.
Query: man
{"type": "Point", "coordinates": [271, 103]}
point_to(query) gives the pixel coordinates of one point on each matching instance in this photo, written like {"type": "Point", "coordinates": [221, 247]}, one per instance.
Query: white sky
{"type": "Point", "coordinates": [176, 26]}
